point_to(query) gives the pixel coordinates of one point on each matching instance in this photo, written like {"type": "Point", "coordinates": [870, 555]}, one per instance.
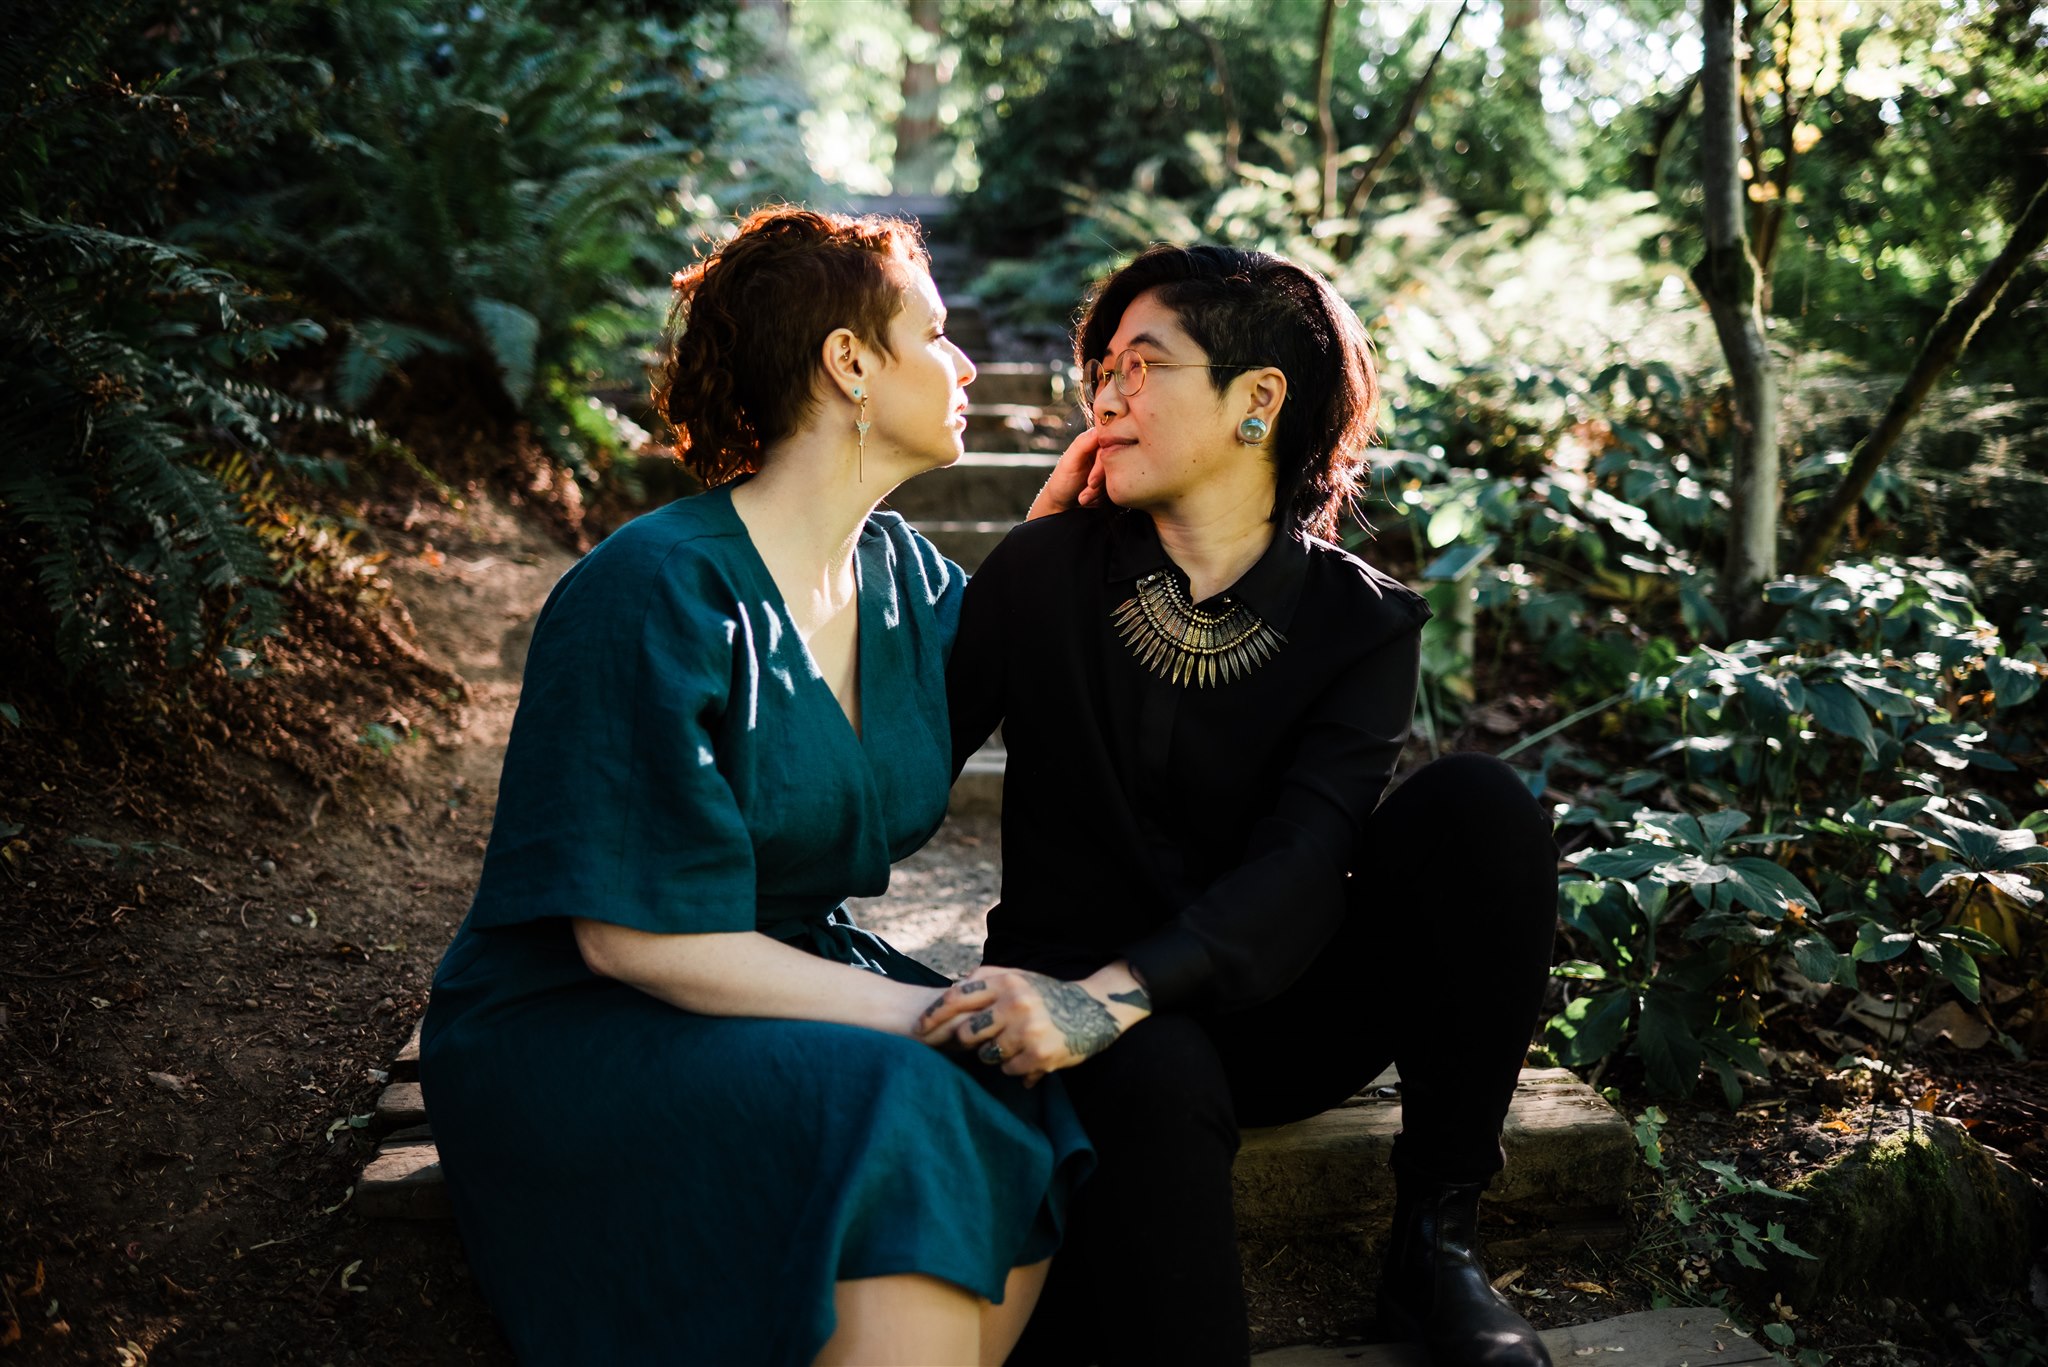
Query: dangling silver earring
{"type": "Point", "coordinates": [860, 426]}
{"type": "Point", "coordinates": [1252, 430]}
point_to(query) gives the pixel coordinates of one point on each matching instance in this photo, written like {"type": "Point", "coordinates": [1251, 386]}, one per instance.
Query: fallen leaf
{"type": "Point", "coordinates": [1590, 1288]}
{"type": "Point", "coordinates": [168, 1081]}
{"type": "Point", "coordinates": [345, 1276]}
{"type": "Point", "coordinates": [1956, 1023]}
{"type": "Point", "coordinates": [1926, 1101]}
{"type": "Point", "coordinates": [1508, 1279]}
{"type": "Point", "coordinates": [1838, 1126]}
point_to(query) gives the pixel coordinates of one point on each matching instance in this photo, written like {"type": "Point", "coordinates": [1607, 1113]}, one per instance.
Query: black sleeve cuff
{"type": "Point", "coordinates": [1172, 964]}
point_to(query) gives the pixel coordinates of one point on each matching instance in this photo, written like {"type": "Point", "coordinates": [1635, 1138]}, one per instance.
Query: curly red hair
{"type": "Point", "coordinates": [741, 355]}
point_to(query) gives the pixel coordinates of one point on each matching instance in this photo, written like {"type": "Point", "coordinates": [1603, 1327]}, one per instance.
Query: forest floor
{"type": "Point", "coordinates": [203, 975]}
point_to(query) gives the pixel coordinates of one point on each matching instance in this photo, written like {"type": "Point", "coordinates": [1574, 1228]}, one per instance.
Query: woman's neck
{"type": "Point", "coordinates": [1215, 545]}
{"type": "Point", "coordinates": [805, 519]}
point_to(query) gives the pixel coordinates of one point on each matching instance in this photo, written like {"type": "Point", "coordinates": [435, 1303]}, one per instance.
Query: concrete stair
{"type": "Point", "coordinates": [1571, 1159]}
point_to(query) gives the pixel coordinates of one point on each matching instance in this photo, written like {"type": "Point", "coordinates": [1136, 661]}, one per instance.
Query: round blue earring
{"type": "Point", "coordinates": [1252, 430]}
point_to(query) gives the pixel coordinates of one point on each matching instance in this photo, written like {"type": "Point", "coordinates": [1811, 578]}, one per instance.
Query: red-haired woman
{"type": "Point", "coordinates": [679, 1097]}
{"type": "Point", "coordinates": [1206, 912]}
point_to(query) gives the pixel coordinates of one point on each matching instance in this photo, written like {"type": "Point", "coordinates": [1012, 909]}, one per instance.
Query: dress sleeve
{"type": "Point", "coordinates": [615, 803]}
{"type": "Point", "coordinates": [976, 673]}
{"type": "Point", "coordinates": [1257, 928]}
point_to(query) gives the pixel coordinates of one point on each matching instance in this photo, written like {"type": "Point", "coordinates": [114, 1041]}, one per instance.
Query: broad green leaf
{"type": "Point", "coordinates": [1459, 561]}
{"type": "Point", "coordinates": [1593, 1026]}
{"type": "Point", "coordinates": [1625, 861]}
{"type": "Point", "coordinates": [1816, 958]}
{"type": "Point", "coordinates": [1774, 1230]}
{"type": "Point", "coordinates": [1718, 826]}
{"type": "Point", "coordinates": [1767, 886]}
{"type": "Point", "coordinates": [1836, 709]}
{"type": "Point", "coordinates": [1876, 945]}
{"type": "Point", "coordinates": [1671, 1052]}
{"type": "Point", "coordinates": [2012, 681]}
{"type": "Point", "coordinates": [1446, 525]}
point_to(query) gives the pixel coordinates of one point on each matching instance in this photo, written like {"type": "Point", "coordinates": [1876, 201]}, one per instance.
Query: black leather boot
{"type": "Point", "coordinates": [1434, 1290]}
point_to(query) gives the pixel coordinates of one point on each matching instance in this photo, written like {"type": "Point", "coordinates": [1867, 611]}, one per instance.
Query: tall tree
{"type": "Point", "coordinates": [918, 153]}
{"type": "Point", "coordinates": [1728, 279]}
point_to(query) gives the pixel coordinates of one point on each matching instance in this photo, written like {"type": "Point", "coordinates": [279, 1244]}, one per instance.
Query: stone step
{"type": "Point", "coordinates": [981, 486]}
{"type": "Point", "coordinates": [1676, 1335]}
{"type": "Point", "coordinates": [398, 1106]}
{"type": "Point", "coordinates": [1024, 382]}
{"type": "Point", "coordinates": [966, 542]}
{"type": "Point", "coordinates": [406, 1067]}
{"type": "Point", "coordinates": [1570, 1160]}
{"type": "Point", "coordinates": [1571, 1157]}
{"type": "Point", "coordinates": [1018, 427]}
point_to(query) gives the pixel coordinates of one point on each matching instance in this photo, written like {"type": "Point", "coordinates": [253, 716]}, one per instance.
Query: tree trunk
{"type": "Point", "coordinates": [918, 151]}
{"type": "Point", "coordinates": [1959, 322]}
{"type": "Point", "coordinates": [1727, 279]}
{"type": "Point", "coordinates": [1404, 124]}
{"type": "Point", "coordinates": [1233, 127]}
{"type": "Point", "coordinates": [1326, 126]}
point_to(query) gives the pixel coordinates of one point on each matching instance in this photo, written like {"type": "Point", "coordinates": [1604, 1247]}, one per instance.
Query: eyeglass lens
{"type": "Point", "coordinates": [1127, 368]}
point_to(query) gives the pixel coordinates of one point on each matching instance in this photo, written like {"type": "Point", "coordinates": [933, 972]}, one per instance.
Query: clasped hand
{"type": "Point", "coordinates": [1029, 1024]}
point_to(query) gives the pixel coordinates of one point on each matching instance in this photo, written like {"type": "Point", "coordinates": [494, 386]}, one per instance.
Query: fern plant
{"type": "Point", "coordinates": [473, 186]}
{"type": "Point", "coordinates": [119, 358]}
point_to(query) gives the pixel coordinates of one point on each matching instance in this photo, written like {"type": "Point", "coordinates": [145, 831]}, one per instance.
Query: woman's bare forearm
{"type": "Point", "coordinates": [745, 973]}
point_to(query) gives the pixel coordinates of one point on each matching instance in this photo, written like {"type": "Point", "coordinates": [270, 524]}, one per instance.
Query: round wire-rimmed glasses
{"type": "Point", "coordinates": [1127, 369]}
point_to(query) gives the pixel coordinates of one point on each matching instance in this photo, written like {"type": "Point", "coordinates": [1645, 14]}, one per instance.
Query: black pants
{"type": "Point", "coordinates": [1439, 969]}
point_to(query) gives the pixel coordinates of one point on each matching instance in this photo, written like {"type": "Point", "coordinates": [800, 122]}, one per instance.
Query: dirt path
{"type": "Point", "coordinates": [197, 1000]}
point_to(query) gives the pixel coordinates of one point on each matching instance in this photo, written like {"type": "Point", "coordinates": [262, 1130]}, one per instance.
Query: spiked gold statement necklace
{"type": "Point", "coordinates": [1184, 645]}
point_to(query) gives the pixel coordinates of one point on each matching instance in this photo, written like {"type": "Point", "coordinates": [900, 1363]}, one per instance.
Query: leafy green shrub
{"type": "Point", "coordinates": [1851, 734]}
{"type": "Point", "coordinates": [471, 185]}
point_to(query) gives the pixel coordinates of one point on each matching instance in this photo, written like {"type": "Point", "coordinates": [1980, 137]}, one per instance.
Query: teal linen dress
{"type": "Point", "coordinates": [635, 1183]}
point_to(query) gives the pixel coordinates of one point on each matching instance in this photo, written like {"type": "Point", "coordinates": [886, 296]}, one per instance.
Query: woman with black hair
{"type": "Point", "coordinates": [1207, 914]}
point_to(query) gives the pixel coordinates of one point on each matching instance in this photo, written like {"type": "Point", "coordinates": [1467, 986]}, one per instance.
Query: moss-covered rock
{"type": "Point", "coordinates": [1928, 1214]}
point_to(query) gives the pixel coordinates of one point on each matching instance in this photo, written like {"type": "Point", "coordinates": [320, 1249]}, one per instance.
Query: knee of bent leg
{"type": "Point", "coordinates": [1465, 793]}
{"type": "Point", "coordinates": [1164, 1075]}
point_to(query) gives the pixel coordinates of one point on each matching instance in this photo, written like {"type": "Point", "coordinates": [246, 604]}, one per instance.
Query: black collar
{"type": "Point", "coordinates": [1271, 587]}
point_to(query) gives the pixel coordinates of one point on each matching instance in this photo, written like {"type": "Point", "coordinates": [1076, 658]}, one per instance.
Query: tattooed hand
{"type": "Point", "coordinates": [1029, 1024]}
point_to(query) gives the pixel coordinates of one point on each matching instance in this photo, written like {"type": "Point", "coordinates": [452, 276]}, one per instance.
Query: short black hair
{"type": "Point", "coordinates": [1249, 310]}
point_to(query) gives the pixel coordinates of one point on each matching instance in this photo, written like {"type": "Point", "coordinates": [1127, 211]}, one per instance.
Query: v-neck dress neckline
{"type": "Point", "coordinates": [863, 628]}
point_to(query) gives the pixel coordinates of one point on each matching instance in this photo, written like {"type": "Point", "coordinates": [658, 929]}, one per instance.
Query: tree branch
{"type": "Point", "coordinates": [1233, 128]}
{"type": "Point", "coordinates": [1959, 323]}
{"type": "Point", "coordinates": [1404, 122]}
{"type": "Point", "coordinates": [1326, 126]}
{"type": "Point", "coordinates": [1651, 159]}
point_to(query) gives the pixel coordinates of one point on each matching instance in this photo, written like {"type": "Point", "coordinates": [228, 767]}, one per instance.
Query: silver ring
{"type": "Point", "coordinates": [991, 1052]}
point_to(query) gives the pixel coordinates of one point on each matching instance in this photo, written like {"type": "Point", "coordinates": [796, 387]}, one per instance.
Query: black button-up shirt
{"type": "Point", "coordinates": [1204, 834]}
